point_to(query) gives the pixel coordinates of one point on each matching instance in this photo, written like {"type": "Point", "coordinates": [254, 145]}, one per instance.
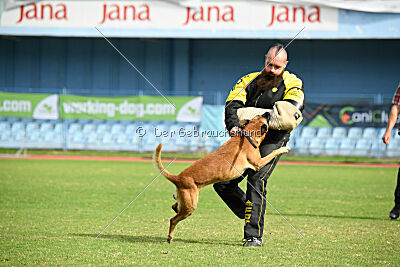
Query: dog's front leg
{"type": "Point", "coordinates": [263, 161]}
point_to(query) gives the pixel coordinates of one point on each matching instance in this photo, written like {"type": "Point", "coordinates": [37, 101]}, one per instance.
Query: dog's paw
{"type": "Point", "coordinates": [284, 149]}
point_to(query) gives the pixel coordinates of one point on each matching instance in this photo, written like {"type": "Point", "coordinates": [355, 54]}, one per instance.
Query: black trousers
{"type": "Point", "coordinates": [397, 191]}
{"type": "Point", "coordinates": [251, 205]}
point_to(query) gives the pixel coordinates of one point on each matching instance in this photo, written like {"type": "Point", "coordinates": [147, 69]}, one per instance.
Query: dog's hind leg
{"type": "Point", "coordinates": [187, 203]}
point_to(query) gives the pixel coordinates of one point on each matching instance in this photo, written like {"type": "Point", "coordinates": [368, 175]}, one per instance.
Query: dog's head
{"type": "Point", "coordinates": [258, 127]}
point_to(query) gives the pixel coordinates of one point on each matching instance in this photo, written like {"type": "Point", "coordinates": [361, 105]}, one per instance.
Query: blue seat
{"type": "Point", "coordinates": [149, 143]}
{"type": "Point", "coordinates": [6, 139]}
{"type": "Point", "coordinates": [4, 125]}
{"type": "Point", "coordinates": [20, 136]}
{"type": "Point", "coordinates": [127, 142]}
{"type": "Point", "coordinates": [50, 136]}
{"type": "Point", "coordinates": [355, 133]}
{"type": "Point", "coordinates": [31, 135]}
{"type": "Point", "coordinates": [393, 149]}
{"type": "Point", "coordinates": [107, 138]}
{"type": "Point", "coordinates": [32, 127]}
{"type": "Point", "coordinates": [17, 127]}
{"type": "Point", "coordinates": [35, 140]}
{"type": "Point", "coordinates": [103, 128]}
{"type": "Point", "coordinates": [395, 135]}
{"type": "Point", "coordinates": [89, 128]}
{"type": "Point", "coordinates": [121, 138]}
{"type": "Point", "coordinates": [52, 140]}
{"type": "Point", "coordinates": [78, 137]}
{"type": "Point", "coordinates": [324, 132]}
{"type": "Point", "coordinates": [58, 127]}
{"type": "Point", "coordinates": [332, 146]}
{"type": "Point", "coordinates": [92, 138]}
{"type": "Point", "coordinates": [196, 143]}
{"type": "Point", "coordinates": [132, 129]}
{"type": "Point", "coordinates": [377, 147]}
{"type": "Point", "coordinates": [302, 146]}
{"type": "Point", "coordinates": [296, 132]}
{"type": "Point", "coordinates": [339, 132]}
{"type": "Point", "coordinates": [308, 132]}
{"type": "Point", "coordinates": [46, 127]}
{"type": "Point", "coordinates": [363, 147]}
{"type": "Point", "coordinates": [169, 144]}
{"type": "Point", "coordinates": [317, 146]}
{"type": "Point", "coordinates": [369, 132]}
{"type": "Point", "coordinates": [347, 147]}
{"type": "Point", "coordinates": [5, 135]}
{"type": "Point", "coordinates": [74, 127]}
{"type": "Point", "coordinates": [76, 140]}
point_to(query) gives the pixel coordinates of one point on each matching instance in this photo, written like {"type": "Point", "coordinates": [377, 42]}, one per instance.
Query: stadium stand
{"type": "Point", "coordinates": [182, 137]}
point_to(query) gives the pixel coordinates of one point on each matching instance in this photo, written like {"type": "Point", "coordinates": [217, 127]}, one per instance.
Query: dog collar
{"type": "Point", "coordinates": [248, 138]}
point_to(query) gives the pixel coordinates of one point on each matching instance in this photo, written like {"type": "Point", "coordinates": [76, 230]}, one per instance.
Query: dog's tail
{"type": "Point", "coordinates": [157, 163]}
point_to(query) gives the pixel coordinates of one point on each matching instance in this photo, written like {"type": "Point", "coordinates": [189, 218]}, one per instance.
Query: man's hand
{"type": "Point", "coordinates": [386, 137]}
{"type": "Point", "coordinates": [394, 113]}
{"type": "Point", "coordinates": [233, 131]}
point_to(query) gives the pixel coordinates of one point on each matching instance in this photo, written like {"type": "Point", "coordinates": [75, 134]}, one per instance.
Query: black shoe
{"type": "Point", "coordinates": [394, 213]}
{"type": "Point", "coordinates": [253, 242]}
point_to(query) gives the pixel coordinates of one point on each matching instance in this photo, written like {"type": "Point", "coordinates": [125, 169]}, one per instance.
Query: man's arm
{"type": "Point", "coordinates": [237, 99]}
{"type": "Point", "coordinates": [394, 113]}
{"type": "Point", "coordinates": [231, 118]}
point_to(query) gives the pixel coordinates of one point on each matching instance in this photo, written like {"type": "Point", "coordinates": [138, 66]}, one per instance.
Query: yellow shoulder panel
{"type": "Point", "coordinates": [291, 80]}
{"type": "Point", "coordinates": [238, 92]}
{"type": "Point", "coordinates": [293, 88]}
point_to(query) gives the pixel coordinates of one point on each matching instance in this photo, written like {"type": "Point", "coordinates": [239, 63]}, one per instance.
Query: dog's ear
{"type": "Point", "coordinates": [267, 115]}
{"type": "Point", "coordinates": [243, 123]}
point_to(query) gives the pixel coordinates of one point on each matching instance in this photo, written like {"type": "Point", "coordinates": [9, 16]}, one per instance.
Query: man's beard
{"type": "Point", "coordinates": [268, 81]}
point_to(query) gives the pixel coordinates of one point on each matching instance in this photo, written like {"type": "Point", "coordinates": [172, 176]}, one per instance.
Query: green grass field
{"type": "Point", "coordinates": [51, 212]}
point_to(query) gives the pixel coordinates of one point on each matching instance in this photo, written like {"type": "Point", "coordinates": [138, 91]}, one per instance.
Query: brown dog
{"type": "Point", "coordinates": [228, 162]}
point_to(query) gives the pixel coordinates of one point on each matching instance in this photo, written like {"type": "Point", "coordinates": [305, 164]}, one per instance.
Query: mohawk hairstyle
{"type": "Point", "coordinates": [277, 48]}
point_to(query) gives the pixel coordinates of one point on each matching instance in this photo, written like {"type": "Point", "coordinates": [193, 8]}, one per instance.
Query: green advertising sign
{"type": "Point", "coordinates": [131, 108]}
{"type": "Point", "coordinates": [36, 106]}
{"type": "Point", "coordinates": [44, 106]}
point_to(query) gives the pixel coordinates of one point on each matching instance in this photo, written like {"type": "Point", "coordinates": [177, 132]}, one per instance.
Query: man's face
{"type": "Point", "coordinates": [272, 73]}
{"type": "Point", "coordinates": [274, 65]}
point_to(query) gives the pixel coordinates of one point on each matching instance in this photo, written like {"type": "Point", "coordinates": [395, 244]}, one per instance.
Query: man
{"type": "Point", "coordinates": [261, 90]}
{"type": "Point", "coordinates": [394, 113]}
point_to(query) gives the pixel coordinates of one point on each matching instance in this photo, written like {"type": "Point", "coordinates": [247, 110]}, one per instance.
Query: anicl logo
{"type": "Point", "coordinates": [349, 116]}
{"type": "Point", "coordinates": [346, 118]}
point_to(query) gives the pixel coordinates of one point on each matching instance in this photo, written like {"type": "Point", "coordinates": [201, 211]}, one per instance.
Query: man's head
{"type": "Point", "coordinates": [276, 60]}
{"type": "Point", "coordinates": [275, 64]}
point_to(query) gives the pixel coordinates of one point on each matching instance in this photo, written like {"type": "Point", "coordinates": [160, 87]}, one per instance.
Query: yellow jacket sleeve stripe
{"type": "Point", "coordinates": [293, 88]}
{"type": "Point", "coordinates": [239, 92]}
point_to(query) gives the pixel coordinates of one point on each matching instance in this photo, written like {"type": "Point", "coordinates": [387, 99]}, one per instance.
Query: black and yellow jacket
{"type": "Point", "coordinates": [246, 93]}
